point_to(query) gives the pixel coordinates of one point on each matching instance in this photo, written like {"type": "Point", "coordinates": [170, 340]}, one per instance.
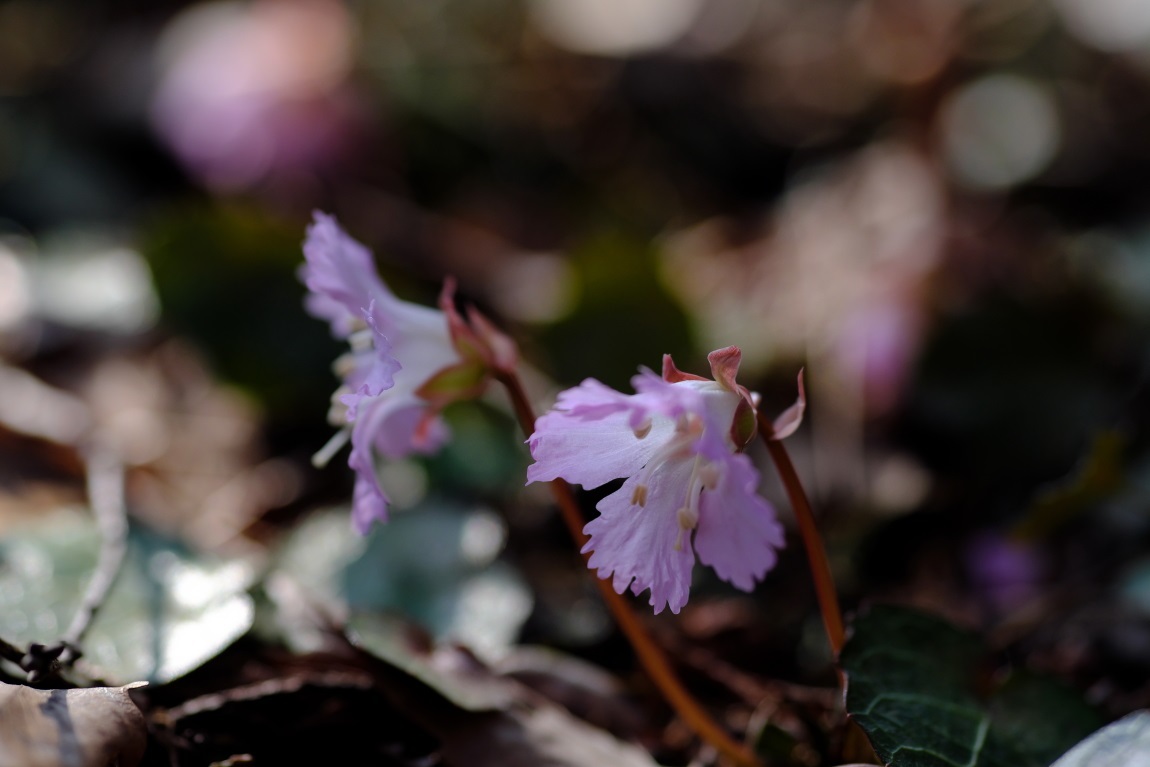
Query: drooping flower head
{"type": "Point", "coordinates": [688, 493]}
{"type": "Point", "coordinates": [406, 361]}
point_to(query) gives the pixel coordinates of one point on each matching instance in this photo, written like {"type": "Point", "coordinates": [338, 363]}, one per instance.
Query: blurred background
{"type": "Point", "coordinates": [939, 208]}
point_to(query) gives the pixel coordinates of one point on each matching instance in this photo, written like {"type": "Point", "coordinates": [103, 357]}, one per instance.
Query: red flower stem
{"type": "Point", "coordinates": [812, 541]}
{"type": "Point", "coordinates": [650, 655]}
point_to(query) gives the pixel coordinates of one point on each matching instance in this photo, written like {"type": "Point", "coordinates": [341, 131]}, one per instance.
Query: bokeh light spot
{"type": "Point", "coordinates": [999, 131]}
{"type": "Point", "coordinates": [614, 27]}
{"type": "Point", "coordinates": [1110, 25]}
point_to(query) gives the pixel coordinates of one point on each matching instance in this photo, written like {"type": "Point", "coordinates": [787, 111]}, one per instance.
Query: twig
{"type": "Point", "coordinates": [10, 652]}
{"type": "Point", "coordinates": [44, 411]}
{"type": "Point", "coordinates": [650, 656]}
{"type": "Point", "coordinates": [106, 497]}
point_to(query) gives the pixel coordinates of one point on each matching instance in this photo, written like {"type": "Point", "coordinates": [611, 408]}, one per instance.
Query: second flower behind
{"type": "Point", "coordinates": [397, 347]}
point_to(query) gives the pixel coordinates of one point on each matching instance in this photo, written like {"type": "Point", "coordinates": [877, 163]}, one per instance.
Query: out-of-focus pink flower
{"type": "Point", "coordinates": [249, 89]}
{"type": "Point", "coordinates": [1006, 572]}
{"type": "Point", "coordinates": [688, 491]}
{"type": "Point", "coordinates": [876, 348]}
{"type": "Point", "coordinates": [393, 421]}
{"type": "Point", "coordinates": [841, 273]}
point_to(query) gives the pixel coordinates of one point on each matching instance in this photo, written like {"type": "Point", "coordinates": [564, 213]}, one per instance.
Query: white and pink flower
{"type": "Point", "coordinates": [689, 491]}
{"type": "Point", "coordinates": [397, 347]}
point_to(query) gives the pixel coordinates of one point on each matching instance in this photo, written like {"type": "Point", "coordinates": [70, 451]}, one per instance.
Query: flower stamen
{"type": "Point", "coordinates": [337, 412]}
{"type": "Point", "coordinates": [688, 428]}
{"type": "Point", "coordinates": [333, 446]}
{"type": "Point", "coordinates": [362, 340]}
{"type": "Point", "coordinates": [709, 476]}
{"type": "Point", "coordinates": [639, 495]}
{"type": "Point", "coordinates": [644, 428]}
{"type": "Point", "coordinates": [344, 365]}
{"type": "Point", "coordinates": [704, 475]}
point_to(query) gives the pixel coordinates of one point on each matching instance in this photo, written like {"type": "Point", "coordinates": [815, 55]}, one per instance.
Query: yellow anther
{"type": "Point", "coordinates": [688, 518]}
{"type": "Point", "coordinates": [639, 495]}
{"type": "Point", "coordinates": [344, 364]}
{"type": "Point", "coordinates": [643, 429]}
{"type": "Point", "coordinates": [709, 476]}
{"type": "Point", "coordinates": [361, 340]}
{"type": "Point", "coordinates": [337, 413]}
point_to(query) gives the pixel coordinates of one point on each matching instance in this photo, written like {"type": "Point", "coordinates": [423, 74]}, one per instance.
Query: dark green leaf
{"type": "Point", "coordinates": [915, 687]}
{"type": "Point", "coordinates": [485, 454]}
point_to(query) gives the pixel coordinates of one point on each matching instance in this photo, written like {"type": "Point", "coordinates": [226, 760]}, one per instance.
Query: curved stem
{"type": "Point", "coordinates": [650, 656]}
{"type": "Point", "coordinates": [812, 541]}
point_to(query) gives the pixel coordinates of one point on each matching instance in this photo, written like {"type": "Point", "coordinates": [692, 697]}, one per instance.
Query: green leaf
{"type": "Point", "coordinates": [168, 612]}
{"type": "Point", "coordinates": [251, 324]}
{"type": "Point", "coordinates": [1125, 743]}
{"type": "Point", "coordinates": [914, 685]}
{"type": "Point", "coordinates": [1099, 475]}
{"type": "Point", "coordinates": [484, 457]}
{"type": "Point", "coordinates": [454, 383]}
{"type": "Point", "coordinates": [435, 564]}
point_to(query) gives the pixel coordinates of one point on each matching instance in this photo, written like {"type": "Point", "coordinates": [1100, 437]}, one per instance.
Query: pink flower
{"type": "Point", "coordinates": [397, 347]}
{"type": "Point", "coordinates": [688, 493]}
{"type": "Point", "coordinates": [255, 93]}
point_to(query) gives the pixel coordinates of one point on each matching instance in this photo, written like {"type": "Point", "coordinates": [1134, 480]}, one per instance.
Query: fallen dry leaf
{"type": "Point", "coordinates": [89, 727]}
{"type": "Point", "coordinates": [532, 733]}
